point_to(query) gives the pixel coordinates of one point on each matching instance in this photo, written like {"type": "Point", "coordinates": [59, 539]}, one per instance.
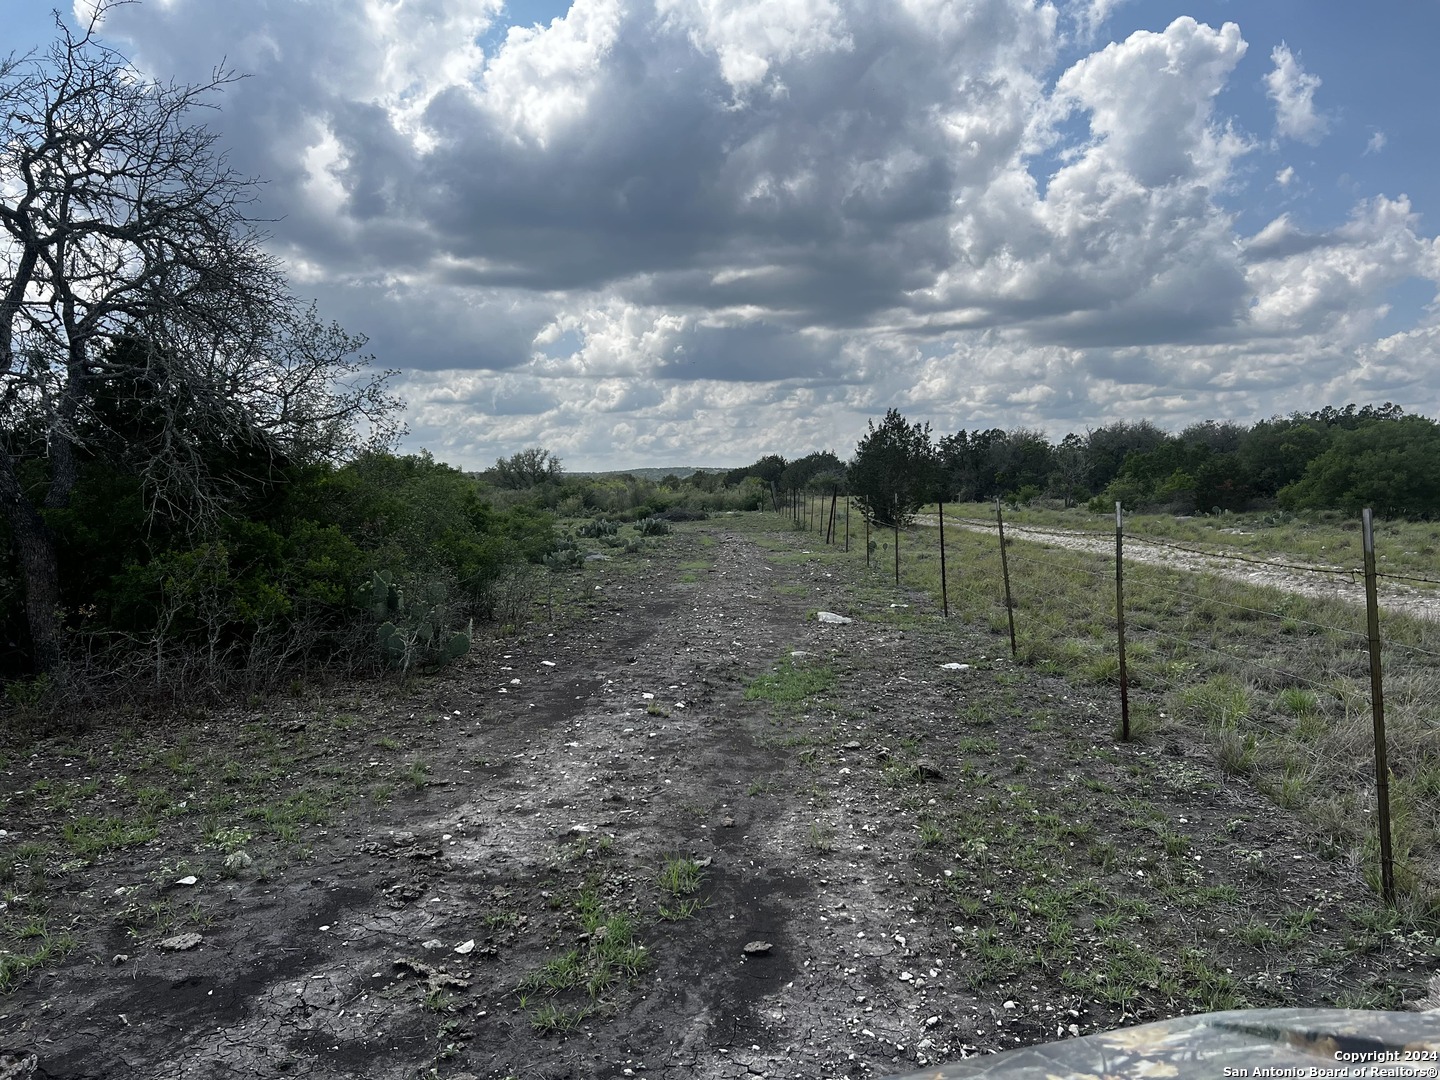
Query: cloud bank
{"type": "Point", "coordinates": [694, 231]}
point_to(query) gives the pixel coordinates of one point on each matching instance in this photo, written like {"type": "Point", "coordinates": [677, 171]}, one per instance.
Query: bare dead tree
{"type": "Point", "coordinates": [122, 222]}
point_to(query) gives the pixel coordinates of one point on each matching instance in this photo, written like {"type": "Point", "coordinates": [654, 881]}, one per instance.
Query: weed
{"type": "Point", "coordinates": [684, 909]}
{"type": "Point", "coordinates": [931, 834]}
{"type": "Point", "coordinates": [551, 1019]}
{"type": "Point", "coordinates": [680, 876]}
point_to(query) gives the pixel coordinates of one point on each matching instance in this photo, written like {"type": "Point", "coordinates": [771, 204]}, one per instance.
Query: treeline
{"type": "Point", "coordinates": [308, 565]}
{"type": "Point", "coordinates": [1334, 458]}
{"type": "Point", "coordinates": [534, 478]}
{"type": "Point", "coordinates": [386, 559]}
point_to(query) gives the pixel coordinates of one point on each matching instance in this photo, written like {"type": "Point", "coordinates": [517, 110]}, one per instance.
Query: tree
{"type": "Point", "coordinates": [894, 471]}
{"type": "Point", "coordinates": [529, 468]}
{"type": "Point", "coordinates": [768, 470]}
{"type": "Point", "coordinates": [1107, 447]}
{"type": "Point", "coordinates": [1020, 458]}
{"type": "Point", "coordinates": [1275, 452]}
{"type": "Point", "coordinates": [817, 471]}
{"type": "Point", "coordinates": [135, 283]}
{"type": "Point", "coordinates": [1069, 465]}
{"type": "Point", "coordinates": [1391, 466]}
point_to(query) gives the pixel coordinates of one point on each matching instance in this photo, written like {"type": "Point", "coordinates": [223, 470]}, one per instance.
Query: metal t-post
{"type": "Point", "coordinates": [1377, 709]}
{"type": "Point", "coordinates": [1120, 621]}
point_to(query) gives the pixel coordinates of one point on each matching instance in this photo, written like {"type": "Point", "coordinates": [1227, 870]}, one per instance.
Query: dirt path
{"type": "Point", "coordinates": [1329, 582]}
{"type": "Point", "coordinates": [941, 862]}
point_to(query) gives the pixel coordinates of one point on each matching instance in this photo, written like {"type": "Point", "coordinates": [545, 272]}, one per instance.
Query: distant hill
{"type": "Point", "coordinates": [682, 471]}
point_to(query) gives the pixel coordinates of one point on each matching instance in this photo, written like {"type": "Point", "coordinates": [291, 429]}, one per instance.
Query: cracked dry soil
{"type": "Point", "coordinates": [860, 832]}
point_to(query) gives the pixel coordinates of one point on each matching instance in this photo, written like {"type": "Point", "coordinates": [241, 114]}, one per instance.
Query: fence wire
{"type": "Point", "coordinates": [1083, 609]}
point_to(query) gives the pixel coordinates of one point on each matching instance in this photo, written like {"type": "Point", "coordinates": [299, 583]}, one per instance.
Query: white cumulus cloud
{"type": "Point", "coordinates": [687, 231]}
{"type": "Point", "coordinates": [1292, 89]}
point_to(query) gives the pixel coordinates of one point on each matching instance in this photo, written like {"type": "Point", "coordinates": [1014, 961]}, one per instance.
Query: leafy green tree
{"type": "Point", "coordinates": [801, 474]}
{"type": "Point", "coordinates": [968, 462]}
{"type": "Point", "coordinates": [1392, 467]}
{"type": "Point", "coordinates": [1068, 468]}
{"type": "Point", "coordinates": [1107, 448]}
{"type": "Point", "coordinates": [528, 468]}
{"type": "Point", "coordinates": [1021, 458]}
{"type": "Point", "coordinates": [894, 471]}
{"type": "Point", "coordinates": [1276, 452]}
{"type": "Point", "coordinates": [768, 470]}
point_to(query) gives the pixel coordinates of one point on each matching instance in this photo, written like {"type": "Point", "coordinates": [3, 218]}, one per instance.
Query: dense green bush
{"type": "Point", "coordinates": [284, 573]}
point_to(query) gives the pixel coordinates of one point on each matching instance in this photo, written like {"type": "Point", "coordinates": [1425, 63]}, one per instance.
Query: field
{"type": "Point", "coordinates": [683, 829]}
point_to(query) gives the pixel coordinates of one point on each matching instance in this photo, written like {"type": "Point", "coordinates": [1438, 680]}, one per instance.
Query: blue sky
{"type": "Point", "coordinates": [664, 232]}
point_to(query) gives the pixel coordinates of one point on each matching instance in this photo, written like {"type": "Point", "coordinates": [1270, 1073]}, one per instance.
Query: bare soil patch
{"type": "Point", "coordinates": [562, 857]}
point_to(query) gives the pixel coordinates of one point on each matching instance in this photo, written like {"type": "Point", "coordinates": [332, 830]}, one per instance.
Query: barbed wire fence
{"type": "Point", "coordinates": [1286, 663]}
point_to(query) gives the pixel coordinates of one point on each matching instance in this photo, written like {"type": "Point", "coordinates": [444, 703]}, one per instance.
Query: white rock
{"type": "Point", "coordinates": [956, 667]}
{"type": "Point", "coordinates": [189, 879]}
{"type": "Point", "coordinates": [466, 947]}
{"type": "Point", "coordinates": [831, 619]}
{"type": "Point", "coordinates": [180, 943]}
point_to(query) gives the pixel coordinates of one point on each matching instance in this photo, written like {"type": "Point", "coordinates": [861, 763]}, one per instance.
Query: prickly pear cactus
{"type": "Point", "coordinates": [459, 643]}
{"type": "Point", "coordinates": [385, 597]}
{"type": "Point", "coordinates": [413, 634]}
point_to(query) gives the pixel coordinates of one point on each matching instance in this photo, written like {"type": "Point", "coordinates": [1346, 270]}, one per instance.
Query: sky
{"type": "Point", "coordinates": [695, 232]}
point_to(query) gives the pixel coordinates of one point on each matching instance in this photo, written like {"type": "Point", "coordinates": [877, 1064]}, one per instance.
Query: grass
{"type": "Point", "coordinates": [612, 953]}
{"type": "Point", "coordinates": [39, 950]}
{"type": "Point", "coordinates": [680, 876]}
{"type": "Point", "coordinates": [89, 836]}
{"type": "Point", "coordinates": [790, 685]}
{"type": "Point", "coordinates": [1274, 682]}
